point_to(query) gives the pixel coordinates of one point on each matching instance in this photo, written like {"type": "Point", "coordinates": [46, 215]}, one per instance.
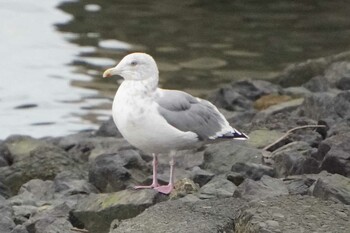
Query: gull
{"type": "Point", "coordinates": [159, 121]}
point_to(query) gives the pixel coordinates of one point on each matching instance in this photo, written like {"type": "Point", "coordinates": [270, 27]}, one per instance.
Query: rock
{"type": "Point", "coordinates": [264, 188]}
{"type": "Point", "coordinates": [200, 176]}
{"type": "Point", "coordinates": [335, 152]}
{"type": "Point", "coordinates": [296, 92]}
{"type": "Point", "coordinates": [239, 95]}
{"type": "Point", "coordinates": [218, 187]}
{"type": "Point", "coordinates": [185, 217]}
{"type": "Point", "coordinates": [332, 187]}
{"type": "Point", "coordinates": [293, 214]}
{"type": "Point", "coordinates": [183, 188]}
{"type": "Point", "coordinates": [235, 178]}
{"type": "Point", "coordinates": [338, 75]}
{"type": "Point", "coordinates": [97, 211]}
{"type": "Point", "coordinates": [6, 158]}
{"type": "Point", "coordinates": [4, 191]}
{"type": "Point", "coordinates": [299, 184]}
{"type": "Point", "coordinates": [19, 229]}
{"type": "Point", "coordinates": [263, 137]}
{"type": "Point", "coordinates": [252, 170]}
{"type": "Point", "coordinates": [294, 159]}
{"type": "Point", "coordinates": [297, 74]}
{"type": "Point", "coordinates": [113, 172]}
{"type": "Point", "coordinates": [328, 106]}
{"type": "Point", "coordinates": [287, 106]}
{"type": "Point", "coordinates": [108, 129]}
{"type": "Point", "coordinates": [219, 157]}
{"type": "Point", "coordinates": [67, 186]}
{"type": "Point", "coordinates": [266, 101]}
{"type": "Point", "coordinates": [34, 159]}
{"type": "Point", "coordinates": [317, 84]}
{"type": "Point", "coordinates": [6, 222]}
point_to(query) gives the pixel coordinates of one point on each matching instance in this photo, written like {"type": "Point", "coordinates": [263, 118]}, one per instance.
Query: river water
{"type": "Point", "coordinates": [53, 51]}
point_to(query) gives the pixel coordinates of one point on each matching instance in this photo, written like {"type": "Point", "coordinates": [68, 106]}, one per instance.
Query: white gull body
{"type": "Point", "coordinates": [157, 120]}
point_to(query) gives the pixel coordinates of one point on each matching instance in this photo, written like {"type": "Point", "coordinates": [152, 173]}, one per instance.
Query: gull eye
{"type": "Point", "coordinates": [133, 63]}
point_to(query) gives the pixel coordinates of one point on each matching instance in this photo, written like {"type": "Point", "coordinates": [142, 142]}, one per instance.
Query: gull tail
{"type": "Point", "coordinates": [235, 134]}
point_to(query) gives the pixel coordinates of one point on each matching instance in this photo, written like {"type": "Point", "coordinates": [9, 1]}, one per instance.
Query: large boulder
{"type": "Point", "coordinates": [6, 222]}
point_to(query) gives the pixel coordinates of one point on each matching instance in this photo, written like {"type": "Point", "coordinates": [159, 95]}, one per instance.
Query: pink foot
{"type": "Point", "coordinates": [165, 189]}
{"type": "Point", "coordinates": [146, 186]}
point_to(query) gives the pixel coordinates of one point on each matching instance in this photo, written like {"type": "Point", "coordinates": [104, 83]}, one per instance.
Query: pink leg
{"type": "Point", "coordinates": [154, 176]}
{"type": "Point", "coordinates": [166, 189]}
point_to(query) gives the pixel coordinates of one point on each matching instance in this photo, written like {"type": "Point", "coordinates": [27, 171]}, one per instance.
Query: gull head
{"type": "Point", "coordinates": [135, 66]}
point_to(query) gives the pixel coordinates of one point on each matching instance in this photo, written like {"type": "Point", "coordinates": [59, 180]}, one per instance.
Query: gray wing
{"type": "Point", "coordinates": [187, 113]}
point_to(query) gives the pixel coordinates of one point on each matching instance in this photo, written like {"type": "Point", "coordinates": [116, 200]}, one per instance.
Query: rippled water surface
{"type": "Point", "coordinates": [52, 58]}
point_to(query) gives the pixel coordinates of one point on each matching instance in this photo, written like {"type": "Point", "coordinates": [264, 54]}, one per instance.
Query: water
{"type": "Point", "coordinates": [52, 59]}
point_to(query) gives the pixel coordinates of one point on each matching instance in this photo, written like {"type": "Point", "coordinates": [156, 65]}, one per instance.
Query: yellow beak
{"type": "Point", "coordinates": [108, 73]}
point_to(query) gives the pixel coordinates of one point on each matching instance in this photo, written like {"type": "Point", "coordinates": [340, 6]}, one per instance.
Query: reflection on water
{"type": "Point", "coordinates": [198, 44]}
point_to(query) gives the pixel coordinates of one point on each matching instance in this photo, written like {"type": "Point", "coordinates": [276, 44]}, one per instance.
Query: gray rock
{"type": "Point", "coordinates": [68, 187]}
{"type": "Point", "coordinates": [218, 187]}
{"type": "Point", "coordinates": [4, 190]}
{"type": "Point", "coordinates": [294, 159]}
{"type": "Point", "coordinates": [225, 97]}
{"type": "Point", "coordinates": [219, 157]}
{"type": "Point", "coordinates": [332, 187]}
{"type": "Point", "coordinates": [5, 155]}
{"type": "Point", "coordinates": [113, 172]}
{"type": "Point", "coordinates": [6, 222]}
{"type": "Point", "coordinates": [200, 176]}
{"type": "Point", "coordinates": [252, 170]}
{"type": "Point", "coordinates": [338, 75]}
{"type": "Point", "coordinates": [19, 229]}
{"type": "Point", "coordinates": [108, 129]}
{"type": "Point", "coordinates": [327, 106]}
{"type": "Point", "coordinates": [185, 217]}
{"type": "Point", "coordinates": [293, 214]}
{"type": "Point", "coordinates": [97, 211]}
{"type": "Point", "coordinates": [317, 84]}
{"type": "Point", "coordinates": [335, 152]}
{"type": "Point", "coordinates": [34, 159]}
{"type": "Point", "coordinates": [299, 184]}
{"type": "Point", "coordinates": [264, 188]}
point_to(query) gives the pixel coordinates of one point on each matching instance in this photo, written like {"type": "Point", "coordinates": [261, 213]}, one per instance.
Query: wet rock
{"type": "Point", "coordinates": [335, 152]}
{"type": "Point", "coordinates": [332, 187]}
{"type": "Point", "coordinates": [114, 172]}
{"type": "Point", "coordinates": [219, 158]}
{"type": "Point", "coordinates": [293, 214]}
{"type": "Point", "coordinates": [34, 159]}
{"type": "Point", "coordinates": [108, 129]}
{"type": "Point", "coordinates": [264, 188]}
{"type": "Point", "coordinates": [6, 222]}
{"type": "Point", "coordinates": [200, 176]}
{"type": "Point", "coordinates": [97, 211]}
{"type": "Point", "coordinates": [185, 217]}
{"type": "Point", "coordinates": [294, 159]}
{"type": "Point", "coordinates": [219, 187]}
{"type": "Point", "coordinates": [252, 170]}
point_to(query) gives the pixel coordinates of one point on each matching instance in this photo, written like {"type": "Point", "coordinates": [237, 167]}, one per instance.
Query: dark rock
{"type": "Point", "coordinates": [235, 178]}
{"type": "Point", "coordinates": [108, 129]}
{"type": "Point", "coordinates": [294, 159]}
{"type": "Point", "coordinates": [200, 176]}
{"type": "Point", "coordinates": [5, 155]}
{"type": "Point", "coordinates": [293, 214]}
{"type": "Point", "coordinates": [219, 157]}
{"type": "Point", "coordinates": [265, 187]}
{"type": "Point", "coordinates": [34, 159]}
{"type": "Point", "coordinates": [332, 187]}
{"type": "Point", "coordinates": [218, 187]}
{"type": "Point", "coordinates": [239, 95]}
{"type": "Point", "coordinates": [113, 172]}
{"type": "Point", "coordinates": [252, 170]}
{"type": "Point", "coordinates": [97, 211]}
{"type": "Point", "coordinates": [184, 217]}
{"type": "Point", "coordinates": [335, 152]}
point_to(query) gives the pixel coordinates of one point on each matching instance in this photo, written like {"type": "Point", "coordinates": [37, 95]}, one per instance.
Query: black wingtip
{"type": "Point", "coordinates": [236, 135]}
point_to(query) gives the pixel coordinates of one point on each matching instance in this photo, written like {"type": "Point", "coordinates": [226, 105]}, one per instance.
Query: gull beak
{"type": "Point", "coordinates": [110, 72]}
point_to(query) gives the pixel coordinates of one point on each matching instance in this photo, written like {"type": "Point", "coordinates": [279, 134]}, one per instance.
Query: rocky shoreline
{"type": "Point", "coordinates": [83, 182]}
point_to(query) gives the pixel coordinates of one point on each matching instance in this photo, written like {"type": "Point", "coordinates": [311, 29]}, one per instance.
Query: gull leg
{"type": "Point", "coordinates": [166, 189]}
{"type": "Point", "coordinates": [154, 176]}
